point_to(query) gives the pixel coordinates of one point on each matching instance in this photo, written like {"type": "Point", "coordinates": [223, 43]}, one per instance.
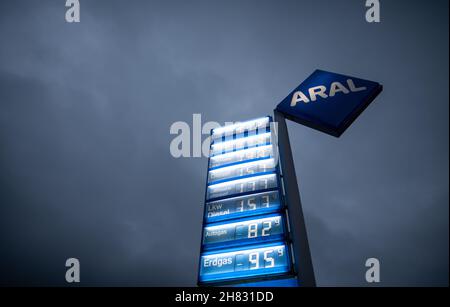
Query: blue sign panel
{"type": "Point", "coordinates": [245, 230]}
{"type": "Point", "coordinates": [235, 207]}
{"type": "Point", "coordinates": [225, 234]}
{"type": "Point", "coordinates": [329, 102]}
{"type": "Point", "coordinates": [238, 264]}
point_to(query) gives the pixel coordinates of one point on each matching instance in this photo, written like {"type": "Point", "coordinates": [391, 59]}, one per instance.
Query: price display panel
{"type": "Point", "coordinates": [242, 231]}
{"type": "Point", "coordinates": [264, 261]}
{"type": "Point", "coordinates": [252, 184]}
{"type": "Point", "coordinates": [237, 131]}
{"type": "Point", "coordinates": [242, 169]}
{"type": "Point", "coordinates": [250, 154]}
{"type": "Point", "coordinates": [245, 233]}
{"type": "Point", "coordinates": [240, 144]}
{"type": "Point", "coordinates": [235, 207]}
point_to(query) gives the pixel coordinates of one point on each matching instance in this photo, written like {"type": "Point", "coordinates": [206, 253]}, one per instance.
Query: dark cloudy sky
{"type": "Point", "coordinates": [85, 112]}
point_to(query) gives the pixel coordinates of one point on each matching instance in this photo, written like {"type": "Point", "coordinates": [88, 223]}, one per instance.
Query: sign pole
{"type": "Point", "coordinates": [303, 262]}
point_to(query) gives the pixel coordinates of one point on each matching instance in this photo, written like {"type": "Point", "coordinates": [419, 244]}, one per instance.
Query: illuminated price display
{"type": "Point", "coordinates": [242, 169]}
{"type": "Point", "coordinates": [252, 184]}
{"type": "Point", "coordinates": [236, 131]}
{"type": "Point", "coordinates": [235, 207]}
{"type": "Point", "coordinates": [255, 230]}
{"type": "Point", "coordinates": [241, 143]}
{"type": "Point", "coordinates": [244, 263]}
{"type": "Point", "coordinates": [245, 230]}
{"type": "Point", "coordinates": [249, 154]}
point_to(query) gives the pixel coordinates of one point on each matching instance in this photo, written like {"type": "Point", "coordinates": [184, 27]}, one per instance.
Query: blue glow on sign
{"type": "Point", "coordinates": [236, 207]}
{"type": "Point", "coordinates": [244, 231]}
{"type": "Point", "coordinates": [228, 265]}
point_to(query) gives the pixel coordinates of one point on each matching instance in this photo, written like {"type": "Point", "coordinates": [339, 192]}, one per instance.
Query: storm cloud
{"type": "Point", "coordinates": [85, 113]}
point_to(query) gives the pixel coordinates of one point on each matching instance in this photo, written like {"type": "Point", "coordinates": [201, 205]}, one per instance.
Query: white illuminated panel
{"type": "Point", "coordinates": [266, 260]}
{"type": "Point", "coordinates": [242, 155]}
{"type": "Point", "coordinates": [238, 128]}
{"type": "Point", "coordinates": [243, 169]}
{"type": "Point", "coordinates": [241, 143]}
{"type": "Point", "coordinates": [251, 184]}
{"type": "Point", "coordinates": [241, 206]}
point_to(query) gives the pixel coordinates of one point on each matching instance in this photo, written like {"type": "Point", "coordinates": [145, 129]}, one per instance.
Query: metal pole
{"type": "Point", "coordinates": [303, 262]}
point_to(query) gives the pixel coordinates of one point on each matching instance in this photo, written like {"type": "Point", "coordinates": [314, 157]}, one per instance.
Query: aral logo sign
{"type": "Point", "coordinates": [321, 91]}
{"type": "Point", "coordinates": [329, 102]}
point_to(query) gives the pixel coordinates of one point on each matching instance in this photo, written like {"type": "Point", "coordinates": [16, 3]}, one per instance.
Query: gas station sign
{"type": "Point", "coordinates": [329, 102]}
{"type": "Point", "coordinates": [245, 230]}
